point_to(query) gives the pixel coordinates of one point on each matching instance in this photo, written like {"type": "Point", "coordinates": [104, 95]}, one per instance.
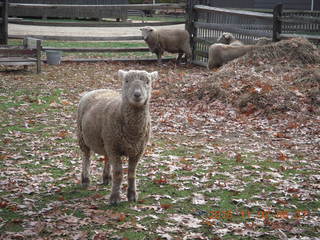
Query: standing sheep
{"type": "Point", "coordinates": [116, 125]}
{"type": "Point", "coordinates": [169, 40]}
{"type": "Point", "coordinates": [229, 39]}
{"type": "Point", "coordinates": [220, 54]}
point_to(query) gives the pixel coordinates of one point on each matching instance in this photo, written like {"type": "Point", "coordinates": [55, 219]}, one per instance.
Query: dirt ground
{"type": "Point", "coordinates": [16, 29]}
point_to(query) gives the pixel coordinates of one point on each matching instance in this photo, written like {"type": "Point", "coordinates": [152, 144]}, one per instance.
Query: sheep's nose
{"type": "Point", "coordinates": [137, 94]}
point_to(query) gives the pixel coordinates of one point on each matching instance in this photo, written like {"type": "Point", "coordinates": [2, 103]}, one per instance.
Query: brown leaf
{"type": "Point", "coordinates": [103, 159]}
{"type": "Point", "coordinates": [239, 158]}
{"type": "Point", "coordinates": [282, 157]}
{"type": "Point", "coordinates": [3, 204]}
{"type": "Point", "coordinates": [160, 181]}
{"type": "Point", "coordinates": [63, 134]}
{"type": "Point", "coordinates": [293, 190]}
{"type": "Point", "coordinates": [165, 206]}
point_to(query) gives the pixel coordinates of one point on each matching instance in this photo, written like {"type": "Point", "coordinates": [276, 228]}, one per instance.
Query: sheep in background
{"type": "Point", "coordinates": [116, 125]}
{"type": "Point", "coordinates": [167, 40]}
{"type": "Point", "coordinates": [263, 41]}
{"type": "Point", "coordinates": [229, 39]}
{"type": "Point", "coordinates": [220, 54]}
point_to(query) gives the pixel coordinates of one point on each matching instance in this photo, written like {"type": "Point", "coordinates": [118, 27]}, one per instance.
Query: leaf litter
{"type": "Point", "coordinates": [235, 152]}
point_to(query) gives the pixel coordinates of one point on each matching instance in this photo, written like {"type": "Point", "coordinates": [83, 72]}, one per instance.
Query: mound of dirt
{"type": "Point", "coordinates": [283, 76]}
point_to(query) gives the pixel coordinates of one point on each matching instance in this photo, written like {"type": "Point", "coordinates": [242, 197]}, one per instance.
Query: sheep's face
{"type": "Point", "coordinates": [146, 31]}
{"type": "Point", "coordinates": [137, 86]}
{"type": "Point", "coordinates": [225, 38]}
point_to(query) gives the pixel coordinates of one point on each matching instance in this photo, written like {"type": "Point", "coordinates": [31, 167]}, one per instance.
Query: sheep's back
{"type": "Point", "coordinates": [91, 98]}
{"type": "Point", "coordinates": [92, 113]}
{"type": "Point", "coordinates": [173, 40]}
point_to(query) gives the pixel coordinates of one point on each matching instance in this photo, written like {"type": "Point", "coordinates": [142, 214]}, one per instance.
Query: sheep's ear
{"type": "Point", "coordinates": [154, 75]}
{"type": "Point", "coordinates": [122, 74]}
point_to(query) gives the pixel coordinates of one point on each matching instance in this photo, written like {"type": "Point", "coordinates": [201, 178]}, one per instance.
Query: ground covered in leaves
{"type": "Point", "coordinates": [234, 154]}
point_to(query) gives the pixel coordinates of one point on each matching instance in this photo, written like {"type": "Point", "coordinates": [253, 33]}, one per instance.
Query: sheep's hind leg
{"type": "Point", "coordinates": [85, 180]}
{"type": "Point", "coordinates": [132, 193]}
{"type": "Point", "coordinates": [106, 178]}
{"type": "Point", "coordinates": [116, 165]}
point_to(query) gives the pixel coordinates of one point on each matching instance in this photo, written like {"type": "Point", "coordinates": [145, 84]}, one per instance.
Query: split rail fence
{"type": "Point", "coordinates": [114, 7]}
{"type": "Point", "coordinates": [205, 24]}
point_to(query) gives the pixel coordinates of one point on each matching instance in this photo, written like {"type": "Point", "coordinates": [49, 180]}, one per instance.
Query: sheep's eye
{"type": "Point", "coordinates": [147, 82]}
{"type": "Point", "coordinates": [127, 81]}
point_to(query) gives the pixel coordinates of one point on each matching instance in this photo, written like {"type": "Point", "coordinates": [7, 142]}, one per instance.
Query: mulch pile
{"type": "Point", "coordinates": [283, 76]}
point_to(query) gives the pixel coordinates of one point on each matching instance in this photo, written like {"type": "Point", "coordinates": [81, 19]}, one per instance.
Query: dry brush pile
{"type": "Point", "coordinates": [281, 77]}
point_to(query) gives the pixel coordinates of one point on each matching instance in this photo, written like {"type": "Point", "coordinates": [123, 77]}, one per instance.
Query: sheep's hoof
{"type": "Point", "coordinates": [106, 181]}
{"type": "Point", "coordinates": [132, 196]}
{"type": "Point", "coordinates": [85, 182]}
{"type": "Point", "coordinates": [114, 198]}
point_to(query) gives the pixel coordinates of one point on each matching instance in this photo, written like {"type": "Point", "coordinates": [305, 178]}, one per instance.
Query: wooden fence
{"type": "Point", "coordinates": [288, 24]}
{"type": "Point", "coordinates": [90, 38]}
{"type": "Point", "coordinates": [72, 12]}
{"type": "Point", "coordinates": [4, 22]}
{"type": "Point", "coordinates": [113, 7]}
{"type": "Point", "coordinates": [206, 24]}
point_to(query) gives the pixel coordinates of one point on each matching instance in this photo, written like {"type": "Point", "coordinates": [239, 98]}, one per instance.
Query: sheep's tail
{"type": "Point", "coordinates": [81, 142]}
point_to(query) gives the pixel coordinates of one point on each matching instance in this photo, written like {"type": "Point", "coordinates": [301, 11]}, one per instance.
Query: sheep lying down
{"type": "Point", "coordinates": [229, 39]}
{"type": "Point", "coordinates": [116, 125]}
{"type": "Point", "coordinates": [167, 40]}
{"type": "Point", "coordinates": [220, 54]}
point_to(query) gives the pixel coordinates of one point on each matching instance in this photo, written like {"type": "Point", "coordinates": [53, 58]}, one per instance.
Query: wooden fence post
{"type": "Point", "coordinates": [4, 24]}
{"type": "Point", "coordinates": [191, 18]}
{"type": "Point", "coordinates": [277, 25]}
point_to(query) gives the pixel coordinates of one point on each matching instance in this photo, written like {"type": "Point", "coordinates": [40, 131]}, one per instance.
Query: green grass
{"type": "Point", "coordinates": [157, 18]}
{"type": "Point", "coordinates": [71, 44]}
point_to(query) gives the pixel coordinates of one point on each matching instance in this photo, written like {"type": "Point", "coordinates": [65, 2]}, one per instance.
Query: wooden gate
{"type": "Point", "coordinates": [288, 24]}
{"type": "Point", "coordinates": [206, 24]}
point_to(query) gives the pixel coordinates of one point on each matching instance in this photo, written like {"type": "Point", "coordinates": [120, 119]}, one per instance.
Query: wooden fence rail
{"type": "Point", "coordinates": [4, 22]}
{"type": "Point", "coordinates": [100, 50]}
{"type": "Point", "coordinates": [100, 7]}
{"type": "Point", "coordinates": [292, 24]}
{"type": "Point", "coordinates": [95, 11]}
{"type": "Point", "coordinates": [78, 38]}
{"type": "Point", "coordinates": [206, 24]}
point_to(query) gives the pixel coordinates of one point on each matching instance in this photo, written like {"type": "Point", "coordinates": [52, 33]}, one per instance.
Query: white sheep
{"type": "Point", "coordinates": [219, 54]}
{"type": "Point", "coordinates": [116, 125]}
{"type": "Point", "coordinates": [229, 39]}
{"type": "Point", "coordinates": [167, 40]}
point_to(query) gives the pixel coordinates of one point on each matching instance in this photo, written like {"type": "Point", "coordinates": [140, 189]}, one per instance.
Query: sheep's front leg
{"type": "Point", "coordinates": [106, 178]}
{"type": "Point", "coordinates": [116, 165]}
{"type": "Point", "coordinates": [159, 58]}
{"type": "Point", "coordinates": [132, 194]}
{"type": "Point", "coordinates": [159, 53]}
{"type": "Point", "coordinates": [179, 58]}
{"type": "Point", "coordinates": [85, 180]}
